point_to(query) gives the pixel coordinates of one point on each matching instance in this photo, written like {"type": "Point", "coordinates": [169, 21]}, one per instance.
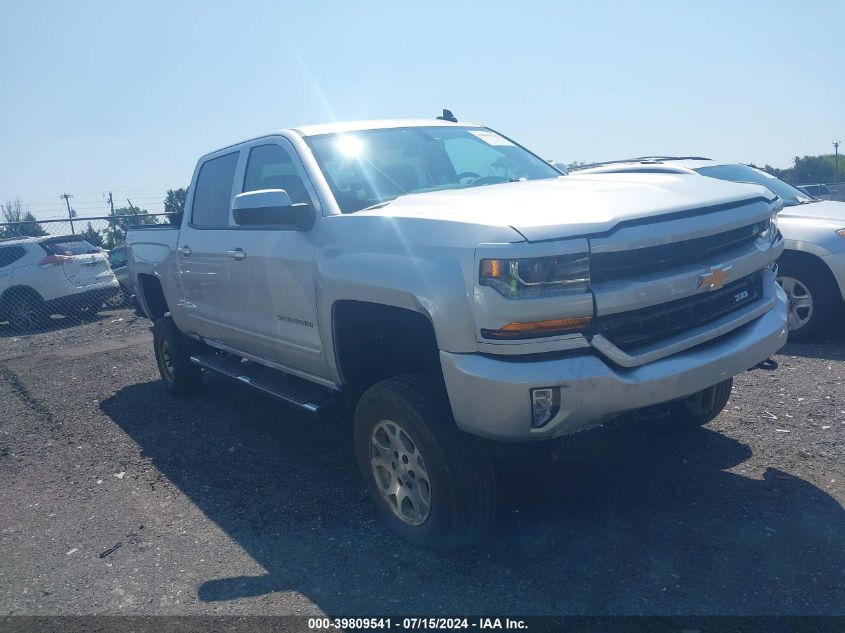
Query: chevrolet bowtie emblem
{"type": "Point", "coordinates": [715, 279]}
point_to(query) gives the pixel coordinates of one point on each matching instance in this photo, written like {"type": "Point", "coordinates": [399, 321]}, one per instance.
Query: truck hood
{"type": "Point", "coordinates": [826, 210]}
{"type": "Point", "coordinates": [572, 205]}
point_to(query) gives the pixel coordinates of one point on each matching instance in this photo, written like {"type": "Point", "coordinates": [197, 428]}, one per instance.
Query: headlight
{"type": "Point", "coordinates": [537, 276]}
{"type": "Point", "coordinates": [769, 229]}
{"type": "Point", "coordinates": [841, 232]}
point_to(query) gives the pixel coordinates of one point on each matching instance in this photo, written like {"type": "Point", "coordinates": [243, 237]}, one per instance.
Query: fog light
{"type": "Point", "coordinates": [545, 403]}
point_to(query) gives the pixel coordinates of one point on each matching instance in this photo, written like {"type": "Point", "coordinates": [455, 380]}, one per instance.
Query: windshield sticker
{"type": "Point", "coordinates": [491, 138]}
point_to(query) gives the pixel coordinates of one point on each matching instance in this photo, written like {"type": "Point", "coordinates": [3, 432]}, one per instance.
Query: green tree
{"type": "Point", "coordinates": [125, 217]}
{"type": "Point", "coordinates": [93, 236]}
{"type": "Point", "coordinates": [174, 203]}
{"type": "Point", "coordinates": [810, 170]}
{"type": "Point", "coordinates": [21, 224]}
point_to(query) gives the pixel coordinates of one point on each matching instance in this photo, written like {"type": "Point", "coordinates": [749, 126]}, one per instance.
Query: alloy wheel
{"type": "Point", "coordinates": [800, 302]}
{"type": "Point", "coordinates": [400, 472]}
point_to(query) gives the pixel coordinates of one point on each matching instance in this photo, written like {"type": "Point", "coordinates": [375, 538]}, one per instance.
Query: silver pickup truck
{"type": "Point", "coordinates": [458, 292]}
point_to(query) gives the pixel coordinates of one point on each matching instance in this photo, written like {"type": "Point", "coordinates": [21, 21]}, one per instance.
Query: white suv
{"type": "Point", "coordinates": [40, 276]}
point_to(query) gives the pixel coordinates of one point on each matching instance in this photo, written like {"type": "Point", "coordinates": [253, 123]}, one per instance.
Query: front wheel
{"type": "Point", "coordinates": [702, 407]}
{"type": "Point", "coordinates": [179, 375]}
{"type": "Point", "coordinates": [811, 298]}
{"type": "Point", "coordinates": [431, 484]}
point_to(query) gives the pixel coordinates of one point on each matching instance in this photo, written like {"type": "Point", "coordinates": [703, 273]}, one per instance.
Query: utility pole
{"type": "Point", "coordinates": [836, 161]}
{"type": "Point", "coordinates": [111, 222]}
{"type": "Point", "coordinates": [70, 212]}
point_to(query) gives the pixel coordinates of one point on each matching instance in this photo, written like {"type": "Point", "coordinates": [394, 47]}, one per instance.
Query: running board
{"type": "Point", "coordinates": [296, 392]}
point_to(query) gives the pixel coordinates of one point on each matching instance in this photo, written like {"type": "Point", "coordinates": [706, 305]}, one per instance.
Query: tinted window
{"type": "Point", "coordinates": [213, 195]}
{"type": "Point", "coordinates": [271, 167]}
{"type": "Point", "coordinates": [117, 257]}
{"type": "Point", "coordinates": [69, 247]}
{"type": "Point", "coordinates": [371, 167]}
{"type": "Point", "coordinates": [10, 254]}
{"type": "Point", "coordinates": [743, 173]}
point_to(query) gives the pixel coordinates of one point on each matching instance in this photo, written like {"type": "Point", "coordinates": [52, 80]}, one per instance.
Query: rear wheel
{"type": "Point", "coordinates": [432, 485]}
{"type": "Point", "coordinates": [118, 300]}
{"type": "Point", "coordinates": [179, 375]}
{"type": "Point", "coordinates": [87, 310]}
{"type": "Point", "coordinates": [702, 407]}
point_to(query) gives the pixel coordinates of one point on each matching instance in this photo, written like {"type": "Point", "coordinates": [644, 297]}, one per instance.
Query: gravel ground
{"type": "Point", "coordinates": [115, 498]}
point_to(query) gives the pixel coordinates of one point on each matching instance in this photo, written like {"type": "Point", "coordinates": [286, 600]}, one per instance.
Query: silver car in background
{"type": "Point", "coordinates": [812, 267]}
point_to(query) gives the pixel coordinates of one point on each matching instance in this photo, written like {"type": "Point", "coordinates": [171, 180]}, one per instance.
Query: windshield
{"type": "Point", "coordinates": [743, 173]}
{"type": "Point", "coordinates": [373, 167]}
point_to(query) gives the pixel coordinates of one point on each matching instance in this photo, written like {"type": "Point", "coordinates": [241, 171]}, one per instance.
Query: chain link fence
{"type": "Point", "coordinates": [837, 191]}
{"type": "Point", "coordinates": [71, 268]}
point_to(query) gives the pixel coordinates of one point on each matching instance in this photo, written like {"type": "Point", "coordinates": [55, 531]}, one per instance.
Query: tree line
{"type": "Point", "coordinates": [808, 170]}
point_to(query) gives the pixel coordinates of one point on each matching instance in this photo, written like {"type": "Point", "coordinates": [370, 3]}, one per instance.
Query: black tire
{"type": "Point", "coordinates": [813, 283]}
{"type": "Point", "coordinates": [702, 407]}
{"type": "Point", "coordinates": [461, 483]}
{"type": "Point", "coordinates": [179, 375]}
{"type": "Point", "coordinates": [25, 309]}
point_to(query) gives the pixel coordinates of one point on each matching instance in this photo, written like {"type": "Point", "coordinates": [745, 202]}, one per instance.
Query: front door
{"type": "Point", "coordinates": [272, 280]}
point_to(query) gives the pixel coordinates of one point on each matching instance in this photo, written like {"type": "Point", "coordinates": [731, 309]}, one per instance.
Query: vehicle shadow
{"type": "Point", "coordinates": [636, 518]}
{"type": "Point", "coordinates": [52, 324]}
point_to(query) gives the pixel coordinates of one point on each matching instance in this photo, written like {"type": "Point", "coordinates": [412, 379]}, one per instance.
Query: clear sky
{"type": "Point", "coordinates": [124, 96]}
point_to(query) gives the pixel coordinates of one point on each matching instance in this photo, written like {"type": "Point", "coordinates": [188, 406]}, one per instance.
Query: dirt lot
{"type": "Point", "coordinates": [115, 498]}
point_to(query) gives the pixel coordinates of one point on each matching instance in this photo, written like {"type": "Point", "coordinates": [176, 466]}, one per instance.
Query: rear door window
{"type": "Point", "coordinates": [213, 193]}
{"type": "Point", "coordinates": [10, 254]}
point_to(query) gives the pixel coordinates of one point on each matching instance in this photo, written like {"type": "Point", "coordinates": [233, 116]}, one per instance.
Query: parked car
{"type": "Point", "coordinates": [40, 276]}
{"type": "Point", "coordinates": [118, 263]}
{"type": "Point", "coordinates": [461, 292]}
{"type": "Point", "coordinates": [812, 267]}
{"type": "Point", "coordinates": [819, 192]}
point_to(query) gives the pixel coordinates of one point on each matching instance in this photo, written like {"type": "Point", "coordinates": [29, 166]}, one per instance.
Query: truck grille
{"type": "Point", "coordinates": [629, 330]}
{"type": "Point", "coordinates": [641, 261]}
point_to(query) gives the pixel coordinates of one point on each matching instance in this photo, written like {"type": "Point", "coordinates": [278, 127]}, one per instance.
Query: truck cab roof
{"type": "Point", "coordinates": [374, 124]}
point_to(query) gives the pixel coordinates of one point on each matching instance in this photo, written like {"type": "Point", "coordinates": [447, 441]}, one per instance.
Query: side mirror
{"type": "Point", "coordinates": [271, 208]}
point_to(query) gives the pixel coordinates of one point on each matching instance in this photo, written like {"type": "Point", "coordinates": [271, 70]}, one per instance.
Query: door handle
{"type": "Point", "coordinates": [185, 250]}
{"type": "Point", "coordinates": [237, 254]}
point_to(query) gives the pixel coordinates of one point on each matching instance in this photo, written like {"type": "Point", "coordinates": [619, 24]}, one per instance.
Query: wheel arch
{"type": "Point", "coordinates": [802, 257]}
{"type": "Point", "coordinates": [151, 295]}
{"type": "Point", "coordinates": [374, 341]}
{"type": "Point", "coordinates": [19, 289]}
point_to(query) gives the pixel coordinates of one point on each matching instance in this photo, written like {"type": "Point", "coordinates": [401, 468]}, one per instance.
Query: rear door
{"type": "Point", "coordinates": [82, 264]}
{"type": "Point", "coordinates": [201, 252]}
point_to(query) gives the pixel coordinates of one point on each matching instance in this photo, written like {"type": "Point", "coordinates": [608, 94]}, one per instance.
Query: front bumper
{"type": "Point", "coordinates": [490, 397]}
